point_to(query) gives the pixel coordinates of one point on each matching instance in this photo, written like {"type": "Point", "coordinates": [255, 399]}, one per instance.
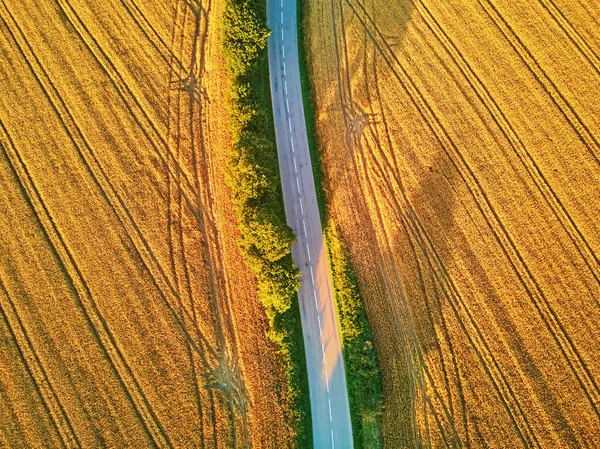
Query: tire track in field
{"type": "Point", "coordinates": [128, 98]}
{"type": "Point", "coordinates": [414, 358]}
{"type": "Point", "coordinates": [416, 354]}
{"type": "Point", "coordinates": [152, 36]}
{"type": "Point", "coordinates": [344, 89]}
{"type": "Point", "coordinates": [377, 139]}
{"type": "Point", "coordinates": [586, 51]}
{"type": "Point", "coordinates": [109, 193]}
{"type": "Point", "coordinates": [179, 213]}
{"type": "Point", "coordinates": [533, 289]}
{"type": "Point", "coordinates": [504, 126]}
{"type": "Point", "coordinates": [226, 376]}
{"type": "Point", "coordinates": [35, 370]}
{"type": "Point", "coordinates": [502, 387]}
{"type": "Point", "coordinates": [565, 108]}
{"type": "Point", "coordinates": [202, 219]}
{"type": "Point", "coordinates": [113, 356]}
{"type": "Point", "coordinates": [408, 315]}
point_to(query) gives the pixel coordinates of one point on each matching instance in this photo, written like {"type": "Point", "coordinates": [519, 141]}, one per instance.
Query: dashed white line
{"type": "Point", "coordinates": [283, 50]}
{"type": "Point", "coordinates": [323, 351]}
{"type": "Point", "coordinates": [308, 251]}
{"type": "Point", "coordinates": [305, 234]}
{"type": "Point", "coordinates": [295, 166]}
{"type": "Point", "coordinates": [292, 140]}
{"type": "Point", "coordinates": [285, 85]}
{"type": "Point", "coordinates": [319, 321]}
{"type": "Point", "coordinates": [329, 403]}
{"type": "Point", "coordinates": [326, 376]}
{"type": "Point", "coordinates": [302, 211]}
{"type": "Point", "coordinates": [287, 104]}
{"type": "Point", "coordinates": [290, 123]}
{"type": "Point", "coordinates": [315, 296]}
{"type": "Point", "coordinates": [298, 185]}
{"type": "Point", "coordinates": [312, 276]}
{"type": "Point", "coordinates": [281, 4]}
{"type": "Point", "coordinates": [284, 71]}
{"type": "Point", "coordinates": [282, 17]}
{"type": "Point", "coordinates": [332, 441]}
{"type": "Point", "coordinates": [282, 34]}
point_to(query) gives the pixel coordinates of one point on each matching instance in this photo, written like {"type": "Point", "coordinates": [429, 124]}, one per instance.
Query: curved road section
{"type": "Point", "coordinates": [326, 376]}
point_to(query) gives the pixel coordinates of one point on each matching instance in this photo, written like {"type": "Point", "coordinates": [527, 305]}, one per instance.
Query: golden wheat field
{"type": "Point", "coordinates": [461, 149]}
{"type": "Point", "coordinates": [127, 317]}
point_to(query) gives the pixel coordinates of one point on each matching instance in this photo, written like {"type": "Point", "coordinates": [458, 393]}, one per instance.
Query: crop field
{"type": "Point", "coordinates": [127, 315]}
{"type": "Point", "coordinates": [460, 143]}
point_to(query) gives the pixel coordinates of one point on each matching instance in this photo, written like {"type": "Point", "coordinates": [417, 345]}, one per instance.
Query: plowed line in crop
{"type": "Point", "coordinates": [109, 192]}
{"type": "Point", "coordinates": [526, 159]}
{"type": "Point", "coordinates": [94, 318]}
{"type": "Point", "coordinates": [534, 291]}
{"type": "Point", "coordinates": [128, 98]}
{"type": "Point", "coordinates": [202, 183]}
{"type": "Point", "coordinates": [375, 130]}
{"type": "Point", "coordinates": [414, 356]}
{"type": "Point", "coordinates": [35, 370]}
{"type": "Point", "coordinates": [424, 109]}
{"type": "Point", "coordinates": [152, 36]}
{"type": "Point", "coordinates": [414, 340]}
{"type": "Point", "coordinates": [342, 85]}
{"type": "Point", "coordinates": [565, 108]}
{"type": "Point", "coordinates": [377, 139]}
{"type": "Point", "coordinates": [417, 363]}
{"type": "Point", "coordinates": [179, 215]}
{"type": "Point", "coordinates": [579, 42]}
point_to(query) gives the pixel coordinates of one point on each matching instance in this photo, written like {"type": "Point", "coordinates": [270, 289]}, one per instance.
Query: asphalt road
{"type": "Point", "coordinates": [326, 375]}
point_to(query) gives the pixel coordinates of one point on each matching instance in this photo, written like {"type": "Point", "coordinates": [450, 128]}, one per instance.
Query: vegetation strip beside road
{"type": "Point", "coordinates": [253, 174]}
{"type": "Point", "coordinates": [362, 372]}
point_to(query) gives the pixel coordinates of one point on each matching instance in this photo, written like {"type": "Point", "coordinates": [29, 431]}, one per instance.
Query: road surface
{"type": "Point", "coordinates": [326, 375]}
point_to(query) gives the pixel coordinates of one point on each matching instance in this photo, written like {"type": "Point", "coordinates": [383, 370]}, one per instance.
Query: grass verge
{"type": "Point", "coordinates": [253, 175]}
{"type": "Point", "coordinates": [362, 372]}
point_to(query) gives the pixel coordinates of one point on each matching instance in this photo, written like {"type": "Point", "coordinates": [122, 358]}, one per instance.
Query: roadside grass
{"type": "Point", "coordinates": [362, 373]}
{"type": "Point", "coordinates": [253, 175]}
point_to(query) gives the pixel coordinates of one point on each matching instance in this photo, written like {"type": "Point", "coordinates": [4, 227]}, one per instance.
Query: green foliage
{"type": "Point", "coordinates": [253, 175]}
{"type": "Point", "coordinates": [362, 373]}
{"type": "Point", "coordinates": [245, 36]}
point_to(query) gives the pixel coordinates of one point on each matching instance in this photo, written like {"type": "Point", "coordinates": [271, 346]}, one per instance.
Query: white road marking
{"type": "Point", "coordinates": [285, 85]}
{"type": "Point", "coordinates": [283, 50]}
{"type": "Point", "coordinates": [305, 234]}
{"type": "Point", "coordinates": [282, 17]}
{"type": "Point", "coordinates": [302, 209]}
{"type": "Point", "coordinates": [326, 377]}
{"type": "Point", "coordinates": [323, 351]}
{"type": "Point", "coordinates": [329, 403]}
{"type": "Point", "coordinates": [298, 185]}
{"type": "Point", "coordinates": [295, 166]}
{"type": "Point", "coordinates": [282, 34]}
{"type": "Point", "coordinates": [315, 296]}
{"type": "Point", "coordinates": [332, 442]}
{"type": "Point", "coordinates": [284, 72]}
{"type": "Point", "coordinates": [319, 321]}
{"type": "Point", "coordinates": [292, 140]}
{"type": "Point", "coordinates": [290, 123]}
{"type": "Point", "coordinates": [312, 277]}
{"type": "Point", "coordinates": [308, 251]}
{"type": "Point", "coordinates": [287, 104]}
{"type": "Point", "coordinates": [281, 4]}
